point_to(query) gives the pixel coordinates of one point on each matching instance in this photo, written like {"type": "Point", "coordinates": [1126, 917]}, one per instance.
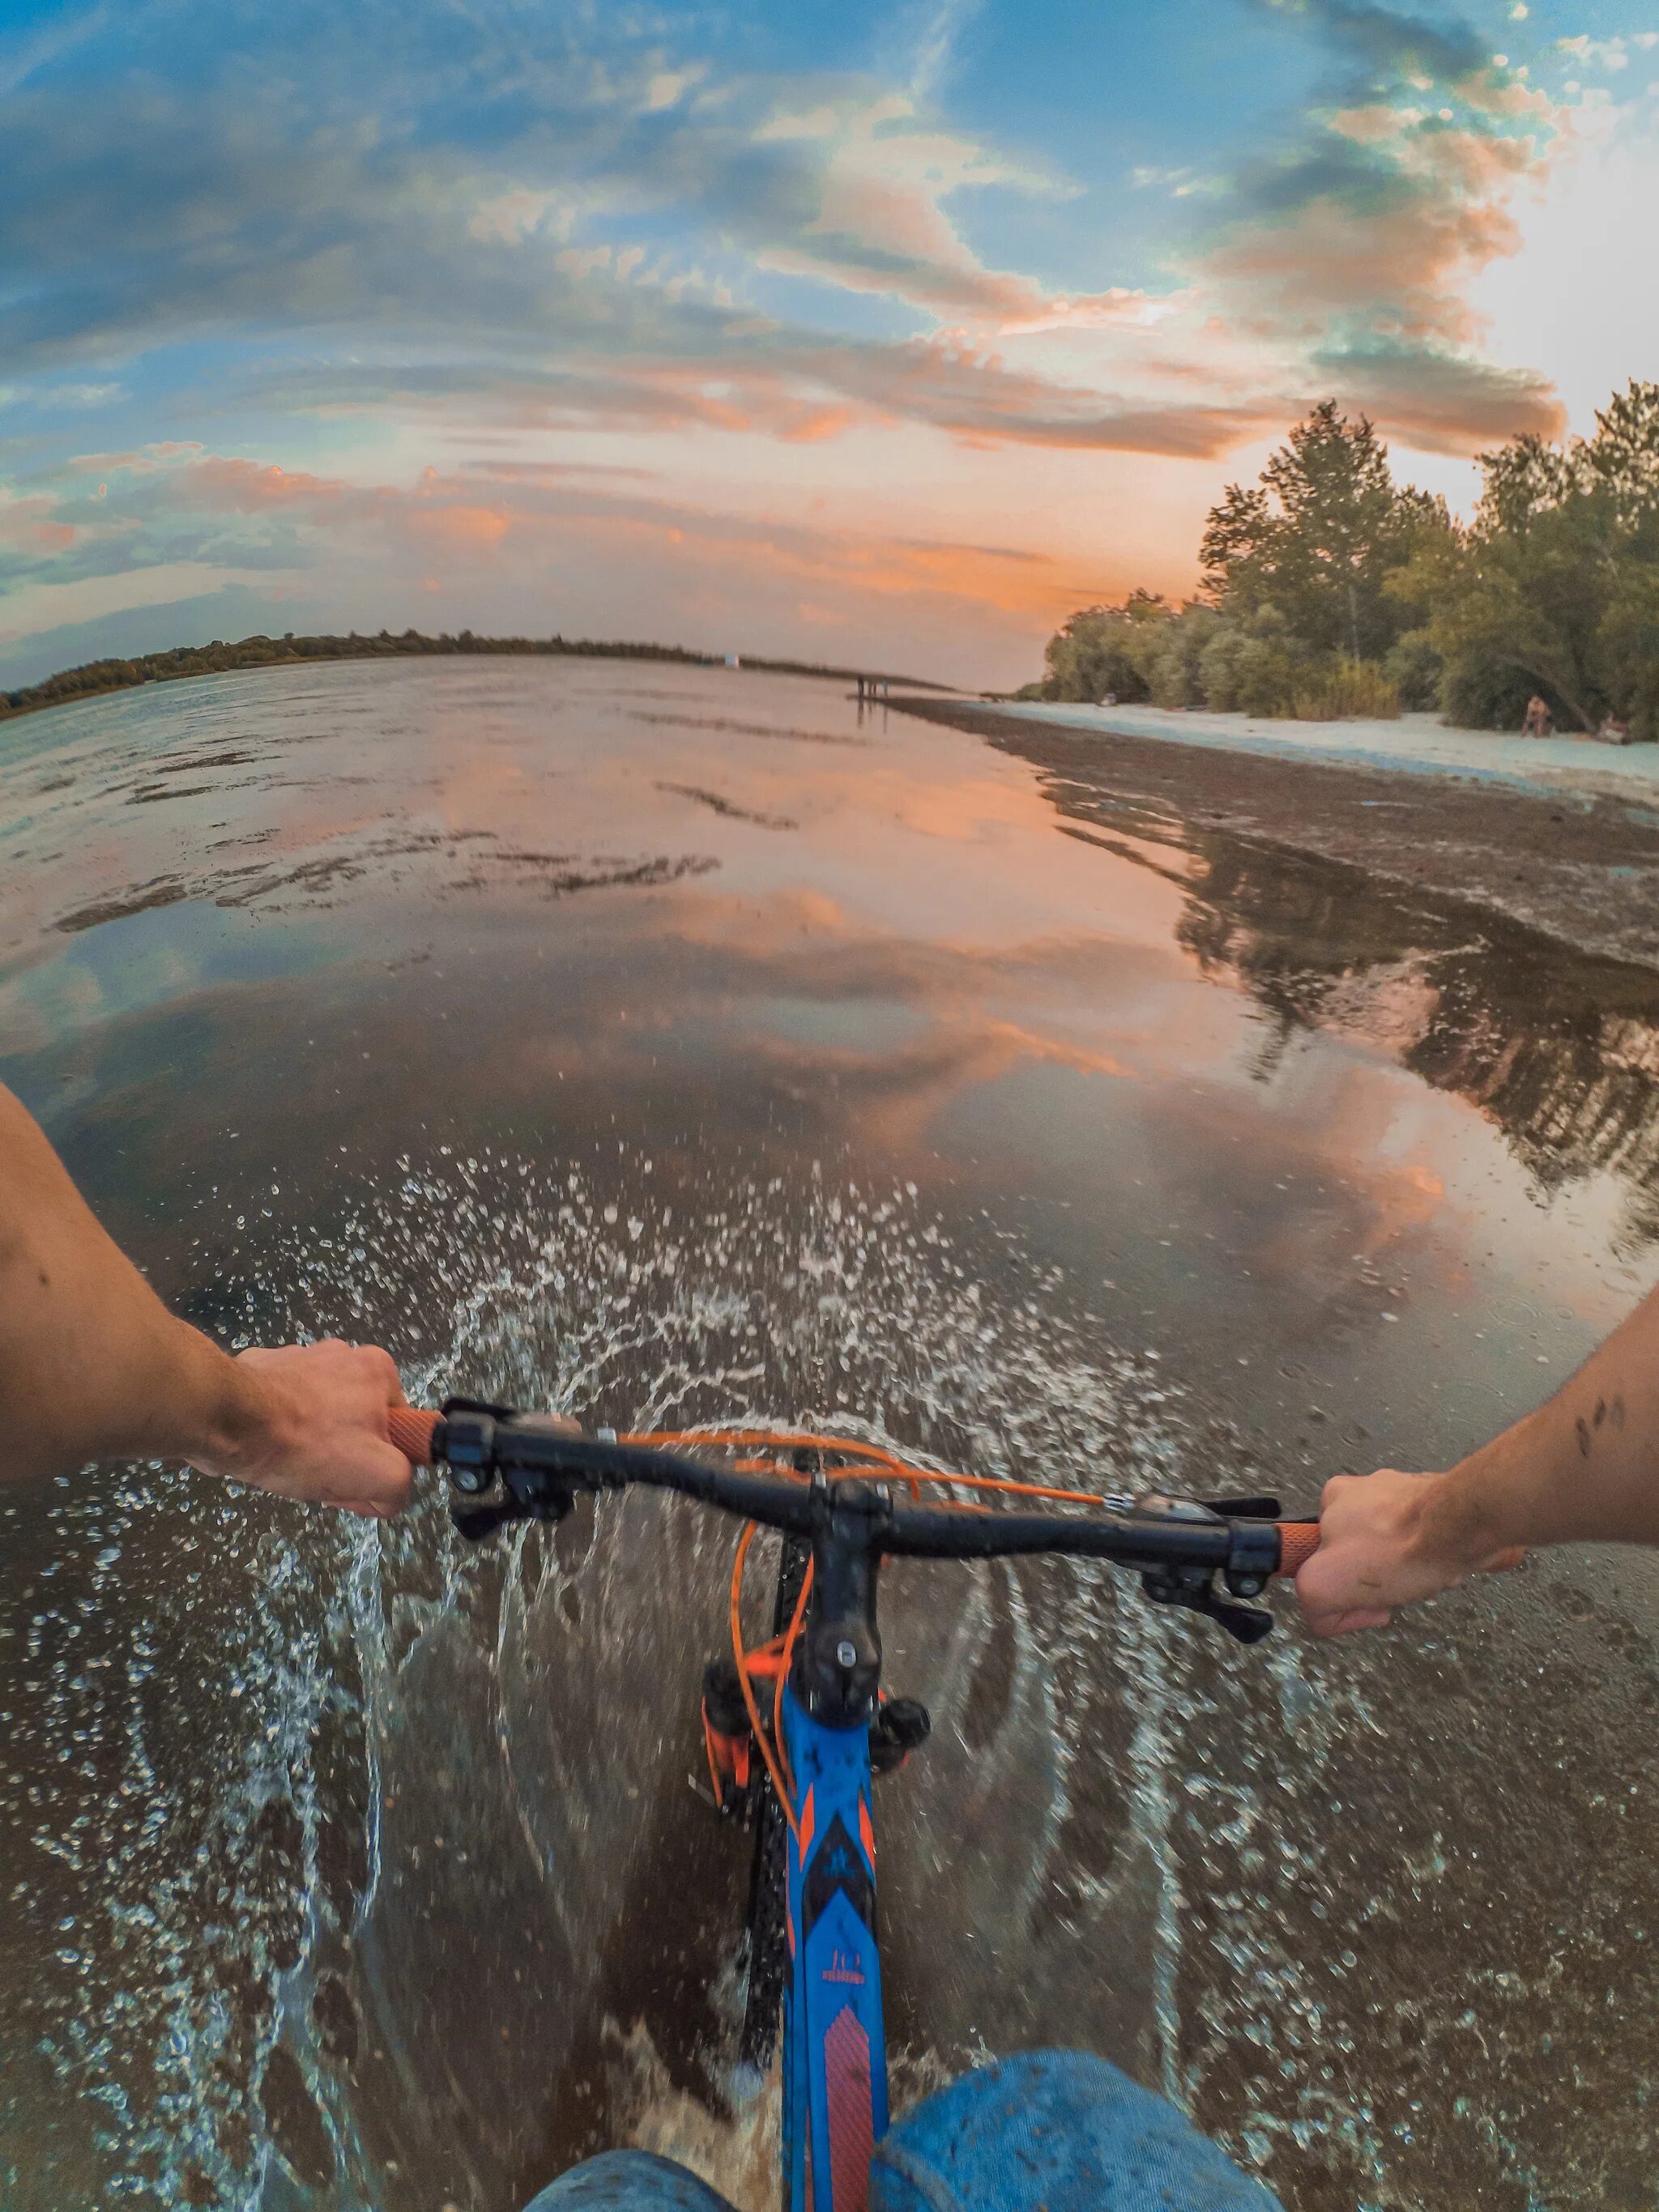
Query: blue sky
{"type": "Point", "coordinates": [870, 333]}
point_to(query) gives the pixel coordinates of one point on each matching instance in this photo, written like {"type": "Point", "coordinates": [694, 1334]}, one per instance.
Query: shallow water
{"type": "Point", "coordinates": [670, 1044]}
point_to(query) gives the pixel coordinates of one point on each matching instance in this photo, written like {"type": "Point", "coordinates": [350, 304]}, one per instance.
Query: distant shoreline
{"type": "Point", "coordinates": [1570, 862]}
{"type": "Point", "coordinates": [98, 680]}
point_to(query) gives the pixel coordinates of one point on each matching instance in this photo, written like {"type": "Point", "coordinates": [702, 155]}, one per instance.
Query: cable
{"type": "Point", "coordinates": [744, 1684]}
{"type": "Point", "coordinates": [787, 1659]}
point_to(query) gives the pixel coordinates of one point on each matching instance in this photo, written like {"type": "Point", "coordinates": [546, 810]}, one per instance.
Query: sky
{"type": "Point", "coordinates": [884, 336]}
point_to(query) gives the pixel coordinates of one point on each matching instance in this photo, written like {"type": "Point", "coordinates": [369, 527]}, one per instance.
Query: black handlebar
{"type": "Point", "coordinates": [1144, 1535]}
{"type": "Point", "coordinates": [507, 1466]}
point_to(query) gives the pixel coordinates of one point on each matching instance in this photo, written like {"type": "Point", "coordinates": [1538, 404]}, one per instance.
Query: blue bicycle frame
{"type": "Point", "coordinates": [835, 2057]}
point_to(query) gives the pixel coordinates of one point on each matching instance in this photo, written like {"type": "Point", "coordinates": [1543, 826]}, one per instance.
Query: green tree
{"type": "Point", "coordinates": [1105, 652]}
{"type": "Point", "coordinates": [1317, 538]}
{"type": "Point", "coordinates": [1173, 656]}
{"type": "Point", "coordinates": [1554, 585]}
{"type": "Point", "coordinates": [1328, 590]}
{"type": "Point", "coordinates": [1518, 610]}
{"type": "Point", "coordinates": [1623, 458]}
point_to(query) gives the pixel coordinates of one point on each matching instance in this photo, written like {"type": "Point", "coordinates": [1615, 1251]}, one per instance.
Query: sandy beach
{"type": "Point", "coordinates": [1561, 834]}
{"type": "Point", "coordinates": [1414, 744]}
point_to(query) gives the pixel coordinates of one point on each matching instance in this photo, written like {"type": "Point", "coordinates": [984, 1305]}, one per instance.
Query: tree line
{"type": "Point", "coordinates": [1330, 591]}
{"type": "Point", "coordinates": [96, 677]}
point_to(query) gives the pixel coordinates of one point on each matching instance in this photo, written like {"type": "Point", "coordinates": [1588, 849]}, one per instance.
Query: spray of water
{"type": "Point", "coordinates": [343, 1915]}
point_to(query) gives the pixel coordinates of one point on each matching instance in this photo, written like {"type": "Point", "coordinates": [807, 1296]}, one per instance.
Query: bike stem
{"type": "Point", "coordinates": [836, 1676]}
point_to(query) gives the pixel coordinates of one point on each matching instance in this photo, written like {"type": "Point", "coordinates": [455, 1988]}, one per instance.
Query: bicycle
{"type": "Point", "coordinates": [813, 1957]}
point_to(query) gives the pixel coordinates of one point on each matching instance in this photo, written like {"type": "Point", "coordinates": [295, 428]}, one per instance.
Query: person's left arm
{"type": "Point", "coordinates": [94, 1366]}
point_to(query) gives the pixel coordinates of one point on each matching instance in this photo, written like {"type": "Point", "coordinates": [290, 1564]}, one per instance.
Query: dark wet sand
{"type": "Point", "coordinates": [496, 1013]}
{"type": "Point", "coordinates": [1585, 870]}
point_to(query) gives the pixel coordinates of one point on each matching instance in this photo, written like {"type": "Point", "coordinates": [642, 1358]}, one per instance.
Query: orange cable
{"type": "Point", "coordinates": [784, 1440]}
{"type": "Point", "coordinates": [751, 1708]}
{"type": "Point", "coordinates": [783, 1671]}
{"type": "Point", "coordinates": [782, 1647]}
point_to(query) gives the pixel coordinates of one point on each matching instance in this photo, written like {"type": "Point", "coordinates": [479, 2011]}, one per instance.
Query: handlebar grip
{"type": "Point", "coordinates": [1297, 1542]}
{"type": "Point", "coordinates": [410, 1428]}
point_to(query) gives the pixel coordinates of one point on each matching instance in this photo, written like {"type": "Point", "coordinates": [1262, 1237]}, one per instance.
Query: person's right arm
{"type": "Point", "coordinates": [1584, 1468]}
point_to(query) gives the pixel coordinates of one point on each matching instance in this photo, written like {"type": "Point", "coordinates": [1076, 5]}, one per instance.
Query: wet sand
{"type": "Point", "coordinates": [499, 1014]}
{"type": "Point", "coordinates": [1581, 867]}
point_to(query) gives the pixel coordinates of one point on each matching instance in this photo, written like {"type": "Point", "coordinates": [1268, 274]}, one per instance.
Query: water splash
{"type": "Point", "coordinates": [365, 1867]}
{"type": "Point", "coordinates": [233, 1891]}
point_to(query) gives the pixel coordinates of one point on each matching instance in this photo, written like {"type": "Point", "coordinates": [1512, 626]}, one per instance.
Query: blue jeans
{"type": "Point", "coordinates": [1049, 2131]}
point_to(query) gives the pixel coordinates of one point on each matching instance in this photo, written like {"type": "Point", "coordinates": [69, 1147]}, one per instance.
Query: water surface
{"type": "Point", "coordinates": [674, 1044]}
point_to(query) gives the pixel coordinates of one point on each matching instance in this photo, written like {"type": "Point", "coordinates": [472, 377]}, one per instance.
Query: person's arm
{"type": "Point", "coordinates": [1584, 1468]}
{"type": "Point", "coordinates": [94, 1366]}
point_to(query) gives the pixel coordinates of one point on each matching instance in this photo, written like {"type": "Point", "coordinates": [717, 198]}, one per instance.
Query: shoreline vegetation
{"type": "Point", "coordinates": [1331, 594]}
{"type": "Point", "coordinates": [95, 678]}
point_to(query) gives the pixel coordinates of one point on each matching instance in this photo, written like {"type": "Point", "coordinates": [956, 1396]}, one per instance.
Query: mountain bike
{"type": "Point", "coordinates": [796, 1728]}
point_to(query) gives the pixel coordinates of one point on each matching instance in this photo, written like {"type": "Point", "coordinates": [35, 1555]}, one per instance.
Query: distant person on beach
{"type": "Point", "coordinates": [1540, 722]}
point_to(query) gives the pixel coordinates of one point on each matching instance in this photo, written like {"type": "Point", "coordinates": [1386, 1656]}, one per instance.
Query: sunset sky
{"type": "Point", "coordinates": [876, 334]}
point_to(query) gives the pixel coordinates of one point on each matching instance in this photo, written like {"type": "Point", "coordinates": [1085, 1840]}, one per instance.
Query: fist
{"type": "Point", "coordinates": [311, 1425]}
{"type": "Point", "coordinates": [1379, 1548]}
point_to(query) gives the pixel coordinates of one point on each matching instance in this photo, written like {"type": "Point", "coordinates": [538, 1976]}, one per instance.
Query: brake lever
{"type": "Point", "coordinates": [1246, 1624]}
{"type": "Point", "coordinates": [475, 1522]}
{"type": "Point", "coordinates": [1244, 1508]}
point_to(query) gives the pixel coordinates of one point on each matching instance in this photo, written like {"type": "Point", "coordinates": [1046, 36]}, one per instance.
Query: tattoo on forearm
{"type": "Point", "coordinates": [1605, 1410]}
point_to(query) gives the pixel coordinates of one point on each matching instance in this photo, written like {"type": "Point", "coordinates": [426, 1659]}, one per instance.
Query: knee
{"type": "Point", "coordinates": [1061, 2129]}
{"type": "Point", "coordinates": [628, 2181]}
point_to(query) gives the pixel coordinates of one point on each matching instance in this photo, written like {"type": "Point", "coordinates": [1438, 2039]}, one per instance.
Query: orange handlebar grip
{"type": "Point", "coordinates": [410, 1428]}
{"type": "Point", "coordinates": [1298, 1541]}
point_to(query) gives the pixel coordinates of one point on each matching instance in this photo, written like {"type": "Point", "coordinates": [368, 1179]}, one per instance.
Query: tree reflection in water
{"type": "Point", "coordinates": [1557, 1048]}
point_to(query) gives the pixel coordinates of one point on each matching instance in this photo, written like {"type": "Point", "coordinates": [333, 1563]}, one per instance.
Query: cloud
{"type": "Point", "coordinates": [33, 47]}
{"type": "Point", "coordinates": [1381, 45]}
{"type": "Point", "coordinates": [1440, 402]}
{"type": "Point", "coordinates": [1180, 183]}
{"type": "Point", "coordinates": [117, 514]}
{"type": "Point", "coordinates": [791, 385]}
{"type": "Point", "coordinates": [1600, 53]}
{"type": "Point", "coordinates": [158, 215]}
{"type": "Point", "coordinates": [878, 221]}
{"type": "Point", "coordinates": [274, 211]}
{"type": "Point", "coordinates": [1391, 234]}
{"type": "Point", "coordinates": [80, 395]}
{"type": "Point", "coordinates": [934, 33]}
{"type": "Point", "coordinates": [163, 218]}
{"type": "Point", "coordinates": [481, 226]}
{"type": "Point", "coordinates": [1359, 241]}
